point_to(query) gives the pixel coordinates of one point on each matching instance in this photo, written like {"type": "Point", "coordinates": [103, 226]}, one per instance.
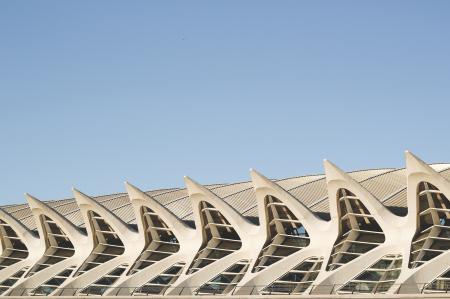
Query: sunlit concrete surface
{"type": "Point", "coordinates": [372, 233]}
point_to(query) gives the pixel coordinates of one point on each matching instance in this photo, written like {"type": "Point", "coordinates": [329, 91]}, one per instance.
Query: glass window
{"type": "Point", "coordinates": [358, 231]}
{"type": "Point", "coordinates": [221, 238]}
{"type": "Point", "coordinates": [286, 234]}
{"type": "Point", "coordinates": [433, 218]}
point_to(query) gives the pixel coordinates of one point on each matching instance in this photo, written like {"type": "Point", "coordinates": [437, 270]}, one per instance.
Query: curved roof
{"type": "Point", "coordinates": [387, 184]}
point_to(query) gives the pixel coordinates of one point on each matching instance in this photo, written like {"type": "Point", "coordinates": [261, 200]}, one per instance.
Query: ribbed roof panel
{"type": "Point", "coordinates": [310, 193]}
{"type": "Point", "coordinates": [315, 194]}
{"type": "Point", "coordinates": [168, 197]}
{"type": "Point", "coordinates": [290, 183]}
{"type": "Point", "coordinates": [228, 190]}
{"type": "Point", "coordinates": [388, 185]}
{"type": "Point", "coordinates": [242, 200]}
{"type": "Point", "coordinates": [397, 200]}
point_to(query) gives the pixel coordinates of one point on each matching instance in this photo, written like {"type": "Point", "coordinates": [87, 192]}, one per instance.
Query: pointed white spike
{"type": "Point", "coordinates": [332, 172]}
{"type": "Point", "coordinates": [415, 164]}
{"type": "Point", "coordinates": [85, 202]}
{"type": "Point", "coordinates": [140, 198]}
{"type": "Point", "coordinates": [133, 191]}
{"type": "Point", "coordinates": [136, 194]}
{"type": "Point", "coordinates": [67, 225]}
{"type": "Point", "coordinates": [258, 179]}
{"type": "Point", "coordinates": [33, 202]}
{"type": "Point", "coordinates": [194, 188]}
{"type": "Point", "coordinates": [82, 198]}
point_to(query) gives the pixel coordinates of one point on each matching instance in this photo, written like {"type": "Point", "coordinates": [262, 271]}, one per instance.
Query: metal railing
{"type": "Point", "coordinates": [337, 289]}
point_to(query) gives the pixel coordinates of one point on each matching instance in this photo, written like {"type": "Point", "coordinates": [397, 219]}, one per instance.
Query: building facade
{"type": "Point", "coordinates": [369, 231]}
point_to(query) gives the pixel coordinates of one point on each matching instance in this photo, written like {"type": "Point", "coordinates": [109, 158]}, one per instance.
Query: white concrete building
{"type": "Point", "coordinates": [369, 231]}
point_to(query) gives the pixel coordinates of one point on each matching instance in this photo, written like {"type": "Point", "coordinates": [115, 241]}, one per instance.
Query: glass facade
{"type": "Point", "coordinates": [159, 284]}
{"type": "Point", "coordinates": [107, 244]}
{"type": "Point", "coordinates": [433, 235]}
{"type": "Point", "coordinates": [439, 285]}
{"type": "Point", "coordinates": [358, 231]}
{"type": "Point", "coordinates": [226, 281]}
{"type": "Point", "coordinates": [297, 280]}
{"type": "Point", "coordinates": [379, 278]}
{"type": "Point", "coordinates": [103, 284]}
{"type": "Point", "coordinates": [286, 234]}
{"type": "Point", "coordinates": [221, 238]}
{"type": "Point", "coordinates": [161, 242]}
{"type": "Point", "coordinates": [59, 247]}
{"type": "Point", "coordinates": [6, 284]}
{"type": "Point", "coordinates": [13, 249]}
{"type": "Point", "coordinates": [52, 284]}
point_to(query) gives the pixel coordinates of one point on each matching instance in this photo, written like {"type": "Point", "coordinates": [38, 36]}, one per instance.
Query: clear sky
{"type": "Point", "coordinates": [94, 93]}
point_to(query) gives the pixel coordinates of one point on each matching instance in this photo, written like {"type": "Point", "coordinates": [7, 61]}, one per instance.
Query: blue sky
{"type": "Point", "coordinates": [94, 93]}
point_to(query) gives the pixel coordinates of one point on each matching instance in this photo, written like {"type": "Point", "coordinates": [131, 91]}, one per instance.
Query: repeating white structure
{"type": "Point", "coordinates": [369, 231]}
